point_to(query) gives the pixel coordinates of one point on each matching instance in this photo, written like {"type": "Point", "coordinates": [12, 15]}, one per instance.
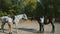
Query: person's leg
{"type": "Point", "coordinates": [42, 27]}
{"type": "Point", "coordinates": [2, 26]}
{"type": "Point", "coordinates": [10, 27]}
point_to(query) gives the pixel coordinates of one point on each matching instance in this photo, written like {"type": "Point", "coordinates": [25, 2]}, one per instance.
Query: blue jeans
{"type": "Point", "coordinates": [41, 25]}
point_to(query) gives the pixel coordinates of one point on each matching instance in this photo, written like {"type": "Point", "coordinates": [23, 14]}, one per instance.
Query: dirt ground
{"type": "Point", "coordinates": [30, 27]}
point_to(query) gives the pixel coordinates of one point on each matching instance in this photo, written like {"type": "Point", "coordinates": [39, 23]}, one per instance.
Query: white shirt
{"type": "Point", "coordinates": [42, 20]}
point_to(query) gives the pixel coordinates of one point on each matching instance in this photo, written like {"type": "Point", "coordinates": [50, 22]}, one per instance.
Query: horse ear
{"type": "Point", "coordinates": [24, 14]}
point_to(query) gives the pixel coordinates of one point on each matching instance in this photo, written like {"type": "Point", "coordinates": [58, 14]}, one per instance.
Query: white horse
{"type": "Point", "coordinates": [17, 18]}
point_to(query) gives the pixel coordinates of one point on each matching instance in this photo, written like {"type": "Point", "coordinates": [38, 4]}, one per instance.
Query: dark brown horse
{"type": "Point", "coordinates": [47, 20]}
{"type": "Point", "coordinates": [50, 19]}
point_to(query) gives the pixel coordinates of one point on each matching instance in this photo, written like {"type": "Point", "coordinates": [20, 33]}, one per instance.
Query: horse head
{"type": "Point", "coordinates": [25, 16]}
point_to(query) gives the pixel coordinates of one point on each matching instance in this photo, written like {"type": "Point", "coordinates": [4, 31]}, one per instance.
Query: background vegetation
{"type": "Point", "coordinates": [30, 7]}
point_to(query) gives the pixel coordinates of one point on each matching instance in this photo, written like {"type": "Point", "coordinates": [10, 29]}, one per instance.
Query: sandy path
{"type": "Point", "coordinates": [29, 27]}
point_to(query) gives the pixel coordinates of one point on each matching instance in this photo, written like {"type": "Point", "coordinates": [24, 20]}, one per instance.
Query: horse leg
{"type": "Point", "coordinates": [2, 26]}
{"type": "Point", "coordinates": [53, 27]}
{"type": "Point", "coordinates": [16, 26]}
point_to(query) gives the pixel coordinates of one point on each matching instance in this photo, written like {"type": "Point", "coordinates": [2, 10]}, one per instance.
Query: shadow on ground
{"type": "Point", "coordinates": [26, 29]}
{"type": "Point", "coordinates": [32, 30]}
{"type": "Point", "coordinates": [4, 31]}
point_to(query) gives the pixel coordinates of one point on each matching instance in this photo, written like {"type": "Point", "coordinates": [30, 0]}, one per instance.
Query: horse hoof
{"type": "Point", "coordinates": [10, 32]}
{"type": "Point", "coordinates": [3, 31]}
{"type": "Point", "coordinates": [52, 31]}
{"type": "Point", "coordinates": [39, 32]}
{"type": "Point", "coordinates": [15, 32]}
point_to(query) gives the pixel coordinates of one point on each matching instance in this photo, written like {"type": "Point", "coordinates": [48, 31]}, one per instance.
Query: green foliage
{"type": "Point", "coordinates": [30, 7]}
